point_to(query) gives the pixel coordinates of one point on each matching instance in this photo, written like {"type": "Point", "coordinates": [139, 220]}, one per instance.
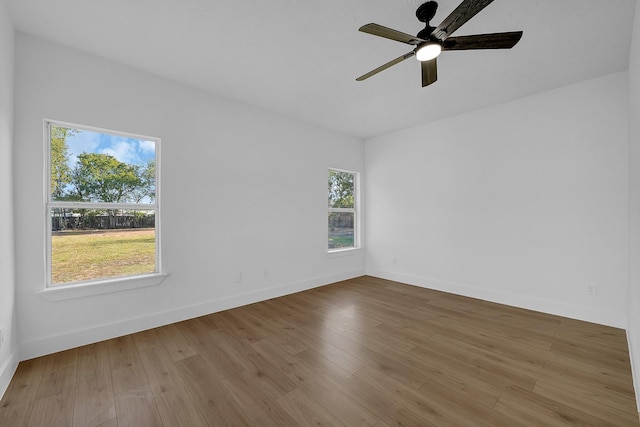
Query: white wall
{"type": "Point", "coordinates": [8, 351]}
{"type": "Point", "coordinates": [634, 204]}
{"type": "Point", "coordinates": [523, 203]}
{"type": "Point", "coordinates": [243, 190]}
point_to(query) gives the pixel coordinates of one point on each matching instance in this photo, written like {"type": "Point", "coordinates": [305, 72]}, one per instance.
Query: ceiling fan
{"type": "Point", "coordinates": [430, 41]}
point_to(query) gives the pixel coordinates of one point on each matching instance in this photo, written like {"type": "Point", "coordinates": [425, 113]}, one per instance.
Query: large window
{"type": "Point", "coordinates": [343, 210]}
{"type": "Point", "coordinates": [102, 207]}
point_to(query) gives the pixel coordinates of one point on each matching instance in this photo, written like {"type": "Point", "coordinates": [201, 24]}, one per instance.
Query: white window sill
{"type": "Point", "coordinates": [343, 252]}
{"type": "Point", "coordinates": [86, 289]}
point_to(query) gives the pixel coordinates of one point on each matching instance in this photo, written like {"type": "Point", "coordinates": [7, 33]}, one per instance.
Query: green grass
{"type": "Point", "coordinates": [340, 240]}
{"type": "Point", "coordinates": [76, 257]}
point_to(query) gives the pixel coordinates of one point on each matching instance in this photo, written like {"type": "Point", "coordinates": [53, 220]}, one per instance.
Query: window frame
{"type": "Point", "coordinates": [356, 214]}
{"type": "Point", "coordinates": [103, 285]}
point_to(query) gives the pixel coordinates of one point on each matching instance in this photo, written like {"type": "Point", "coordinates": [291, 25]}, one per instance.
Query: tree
{"type": "Point", "coordinates": [341, 189]}
{"type": "Point", "coordinates": [103, 178]}
{"type": "Point", "coordinates": [146, 189]}
{"type": "Point", "coordinates": [60, 170]}
{"type": "Point", "coordinates": [147, 182]}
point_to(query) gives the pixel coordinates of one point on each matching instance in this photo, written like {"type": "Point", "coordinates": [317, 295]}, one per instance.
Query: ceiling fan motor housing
{"type": "Point", "coordinates": [425, 13]}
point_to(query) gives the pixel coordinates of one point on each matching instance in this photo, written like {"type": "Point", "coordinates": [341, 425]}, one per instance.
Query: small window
{"type": "Point", "coordinates": [102, 207]}
{"type": "Point", "coordinates": [343, 210]}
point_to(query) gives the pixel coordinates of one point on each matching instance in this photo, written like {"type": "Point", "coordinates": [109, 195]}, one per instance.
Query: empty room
{"type": "Point", "coordinates": [285, 212]}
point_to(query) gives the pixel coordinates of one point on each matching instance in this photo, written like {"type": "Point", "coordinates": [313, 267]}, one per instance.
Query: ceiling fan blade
{"type": "Point", "coordinates": [429, 72]}
{"type": "Point", "coordinates": [385, 66]}
{"type": "Point", "coordinates": [388, 33]}
{"type": "Point", "coordinates": [483, 41]}
{"type": "Point", "coordinates": [465, 11]}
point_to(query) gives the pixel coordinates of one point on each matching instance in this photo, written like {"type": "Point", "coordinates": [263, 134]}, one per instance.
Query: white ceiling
{"type": "Point", "coordinates": [301, 57]}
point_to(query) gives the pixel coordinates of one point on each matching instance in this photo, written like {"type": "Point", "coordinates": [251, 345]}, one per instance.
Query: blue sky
{"type": "Point", "coordinates": [125, 149]}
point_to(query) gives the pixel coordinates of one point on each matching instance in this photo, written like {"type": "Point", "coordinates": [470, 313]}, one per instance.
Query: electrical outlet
{"type": "Point", "coordinates": [394, 260]}
{"type": "Point", "coordinates": [265, 274]}
{"type": "Point", "coordinates": [592, 289]}
{"type": "Point", "coordinates": [238, 277]}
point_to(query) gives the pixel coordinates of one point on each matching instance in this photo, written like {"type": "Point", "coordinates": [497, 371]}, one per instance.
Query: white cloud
{"type": "Point", "coordinates": [148, 147]}
{"type": "Point", "coordinates": [124, 151]}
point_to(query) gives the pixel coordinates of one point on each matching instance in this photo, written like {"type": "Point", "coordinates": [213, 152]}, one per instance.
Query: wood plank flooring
{"type": "Point", "coordinates": [363, 352]}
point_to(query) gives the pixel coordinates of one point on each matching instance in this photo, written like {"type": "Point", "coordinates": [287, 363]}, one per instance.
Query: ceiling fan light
{"type": "Point", "coordinates": [428, 51]}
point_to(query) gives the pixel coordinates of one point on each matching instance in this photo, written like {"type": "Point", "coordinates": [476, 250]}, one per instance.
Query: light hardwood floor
{"type": "Point", "coordinates": [365, 351]}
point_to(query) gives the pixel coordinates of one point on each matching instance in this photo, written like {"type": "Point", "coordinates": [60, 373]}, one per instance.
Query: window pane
{"type": "Point", "coordinates": [90, 166]}
{"type": "Point", "coordinates": [341, 230]}
{"type": "Point", "coordinates": [92, 245]}
{"type": "Point", "coordinates": [341, 189]}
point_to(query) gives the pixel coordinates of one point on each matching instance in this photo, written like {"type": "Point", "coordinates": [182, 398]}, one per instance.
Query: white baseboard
{"type": "Point", "coordinates": [6, 372]}
{"type": "Point", "coordinates": [635, 369]}
{"type": "Point", "coordinates": [577, 312]}
{"type": "Point", "coordinates": [53, 344]}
